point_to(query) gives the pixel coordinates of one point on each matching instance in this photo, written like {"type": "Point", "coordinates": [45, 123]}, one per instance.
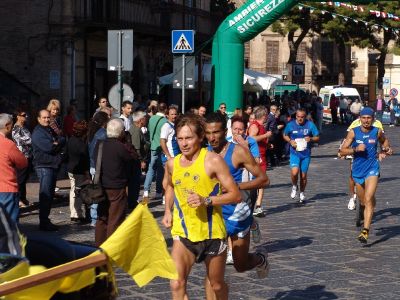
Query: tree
{"type": "Point", "coordinates": [296, 20]}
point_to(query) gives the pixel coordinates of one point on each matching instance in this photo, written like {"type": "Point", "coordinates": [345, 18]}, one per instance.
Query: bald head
{"type": "Point", "coordinates": [44, 117]}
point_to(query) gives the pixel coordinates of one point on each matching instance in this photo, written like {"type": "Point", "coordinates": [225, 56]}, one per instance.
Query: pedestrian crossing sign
{"type": "Point", "coordinates": [182, 41]}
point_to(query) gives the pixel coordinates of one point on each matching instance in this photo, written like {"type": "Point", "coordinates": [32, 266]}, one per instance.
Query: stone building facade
{"type": "Point", "coordinates": [58, 49]}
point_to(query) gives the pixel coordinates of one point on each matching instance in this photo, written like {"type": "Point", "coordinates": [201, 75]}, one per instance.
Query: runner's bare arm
{"type": "Point", "coordinates": [163, 144]}
{"type": "Point", "coordinates": [346, 149]}
{"type": "Point", "coordinates": [288, 140]}
{"type": "Point", "coordinates": [169, 193]}
{"type": "Point", "coordinates": [261, 179]}
{"type": "Point", "coordinates": [385, 144]}
{"type": "Point", "coordinates": [217, 168]}
{"type": "Point", "coordinates": [253, 132]}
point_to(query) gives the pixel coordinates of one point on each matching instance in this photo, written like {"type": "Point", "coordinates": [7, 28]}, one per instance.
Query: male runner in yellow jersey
{"type": "Point", "coordinates": [352, 185]}
{"type": "Point", "coordinates": [193, 183]}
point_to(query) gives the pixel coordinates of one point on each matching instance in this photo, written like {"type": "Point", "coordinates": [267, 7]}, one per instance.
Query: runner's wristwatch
{"type": "Point", "coordinates": [207, 201]}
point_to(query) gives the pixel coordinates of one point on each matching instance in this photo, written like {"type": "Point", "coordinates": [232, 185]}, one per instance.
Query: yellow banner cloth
{"type": "Point", "coordinates": [139, 248]}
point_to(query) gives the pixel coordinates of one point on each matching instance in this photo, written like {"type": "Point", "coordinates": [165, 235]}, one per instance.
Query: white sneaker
{"type": "Point", "coordinates": [263, 268]}
{"type": "Point", "coordinates": [258, 212]}
{"type": "Point", "coordinates": [352, 203]}
{"type": "Point", "coordinates": [302, 197]}
{"type": "Point", "coordinates": [293, 194]}
{"type": "Point", "coordinates": [229, 258]}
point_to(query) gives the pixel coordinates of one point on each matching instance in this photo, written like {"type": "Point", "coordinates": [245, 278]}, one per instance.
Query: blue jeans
{"type": "Point", "coordinates": [155, 169]}
{"type": "Point", "coordinates": [93, 207]}
{"type": "Point", "coordinates": [10, 201]}
{"type": "Point", "coordinates": [47, 180]}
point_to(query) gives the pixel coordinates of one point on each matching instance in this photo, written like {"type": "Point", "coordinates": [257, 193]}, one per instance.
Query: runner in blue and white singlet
{"type": "Point", "coordinates": [238, 217]}
{"type": "Point", "coordinates": [362, 143]}
{"type": "Point", "coordinates": [366, 162]}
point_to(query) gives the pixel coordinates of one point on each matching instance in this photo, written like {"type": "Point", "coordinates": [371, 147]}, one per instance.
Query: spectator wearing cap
{"type": "Point", "coordinates": [10, 160]}
{"type": "Point", "coordinates": [78, 167]}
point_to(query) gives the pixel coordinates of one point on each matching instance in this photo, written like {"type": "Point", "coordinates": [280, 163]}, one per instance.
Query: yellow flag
{"type": "Point", "coordinates": [139, 248]}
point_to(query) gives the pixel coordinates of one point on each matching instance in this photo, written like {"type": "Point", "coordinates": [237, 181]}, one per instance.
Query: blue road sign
{"type": "Point", "coordinates": [182, 41]}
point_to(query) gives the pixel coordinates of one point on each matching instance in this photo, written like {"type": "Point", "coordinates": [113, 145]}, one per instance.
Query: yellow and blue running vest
{"type": "Point", "coordinates": [201, 223]}
{"type": "Point", "coordinates": [357, 123]}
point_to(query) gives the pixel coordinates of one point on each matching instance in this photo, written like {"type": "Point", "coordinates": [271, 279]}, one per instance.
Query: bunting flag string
{"type": "Point", "coordinates": [355, 8]}
{"type": "Point", "coordinates": [376, 13]}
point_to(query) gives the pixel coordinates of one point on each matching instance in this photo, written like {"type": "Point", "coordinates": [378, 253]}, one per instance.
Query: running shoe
{"type": "Point", "coordinates": [263, 268]}
{"type": "Point", "coordinates": [363, 237]}
{"type": "Point", "coordinates": [258, 212]}
{"type": "Point", "coordinates": [229, 258]}
{"type": "Point", "coordinates": [255, 232]}
{"type": "Point", "coordinates": [293, 194]}
{"type": "Point", "coordinates": [302, 197]}
{"type": "Point", "coordinates": [352, 203]}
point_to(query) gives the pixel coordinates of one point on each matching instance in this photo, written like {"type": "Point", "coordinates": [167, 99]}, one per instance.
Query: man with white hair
{"type": "Point", "coordinates": [10, 159]}
{"type": "Point", "coordinates": [116, 160]}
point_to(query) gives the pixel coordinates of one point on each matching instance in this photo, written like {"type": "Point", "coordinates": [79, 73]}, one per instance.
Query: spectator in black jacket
{"type": "Point", "coordinates": [78, 167]}
{"type": "Point", "coordinates": [272, 126]}
{"type": "Point", "coordinates": [117, 159]}
{"type": "Point", "coordinates": [47, 157]}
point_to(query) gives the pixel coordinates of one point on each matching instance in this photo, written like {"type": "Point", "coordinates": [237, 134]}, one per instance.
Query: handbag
{"type": "Point", "coordinates": [93, 193]}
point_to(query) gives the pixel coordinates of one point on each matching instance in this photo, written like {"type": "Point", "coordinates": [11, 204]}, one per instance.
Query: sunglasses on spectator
{"type": "Point", "coordinates": [223, 107]}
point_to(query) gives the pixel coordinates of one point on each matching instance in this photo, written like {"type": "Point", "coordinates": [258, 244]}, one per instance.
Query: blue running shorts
{"type": "Point", "coordinates": [361, 180]}
{"type": "Point", "coordinates": [301, 163]}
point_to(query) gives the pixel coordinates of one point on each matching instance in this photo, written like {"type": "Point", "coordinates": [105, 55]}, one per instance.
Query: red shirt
{"type": "Point", "coordinates": [69, 121]}
{"type": "Point", "coordinates": [262, 145]}
{"type": "Point", "coordinates": [10, 160]}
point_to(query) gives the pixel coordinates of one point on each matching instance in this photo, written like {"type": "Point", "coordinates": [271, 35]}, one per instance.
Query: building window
{"type": "Point", "coordinates": [327, 56]}
{"type": "Point", "coordinates": [272, 57]}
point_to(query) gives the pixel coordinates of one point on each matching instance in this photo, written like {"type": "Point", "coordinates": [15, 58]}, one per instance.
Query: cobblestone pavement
{"type": "Point", "coordinates": [313, 249]}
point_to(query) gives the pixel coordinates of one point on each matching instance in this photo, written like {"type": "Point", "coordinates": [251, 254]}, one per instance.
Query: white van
{"type": "Point", "coordinates": [326, 91]}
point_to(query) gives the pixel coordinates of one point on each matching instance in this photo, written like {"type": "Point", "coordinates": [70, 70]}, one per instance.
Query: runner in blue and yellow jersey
{"type": "Point", "coordinates": [362, 143]}
{"type": "Point", "coordinates": [193, 207]}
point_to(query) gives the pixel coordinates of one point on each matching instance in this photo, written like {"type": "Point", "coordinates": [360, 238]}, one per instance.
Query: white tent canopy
{"type": "Point", "coordinates": [252, 80]}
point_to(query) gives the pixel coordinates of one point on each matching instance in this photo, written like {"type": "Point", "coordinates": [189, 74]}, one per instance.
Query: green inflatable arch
{"type": "Point", "coordinates": [228, 45]}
